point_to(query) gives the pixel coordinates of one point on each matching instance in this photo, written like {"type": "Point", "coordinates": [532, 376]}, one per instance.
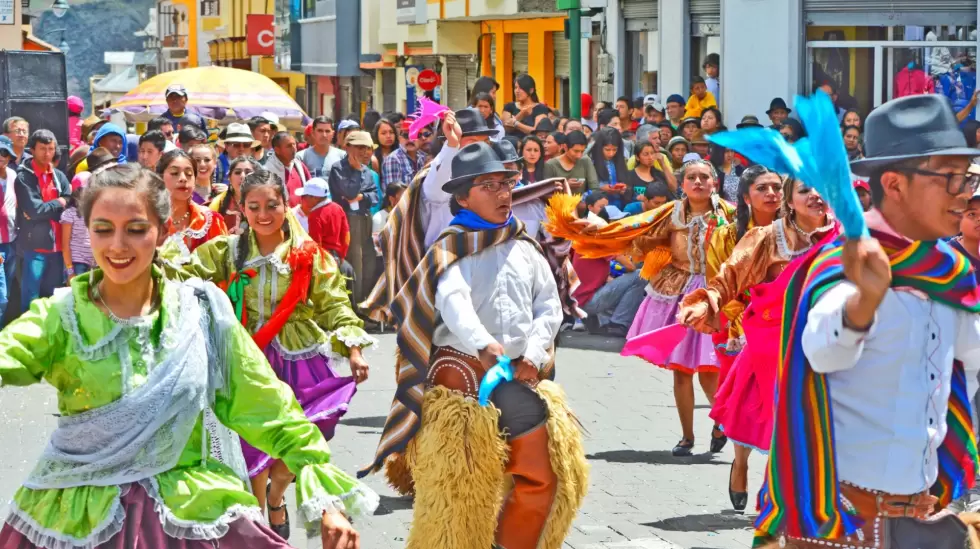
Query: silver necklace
{"type": "Point", "coordinates": [113, 316]}
{"type": "Point", "coordinates": [809, 235]}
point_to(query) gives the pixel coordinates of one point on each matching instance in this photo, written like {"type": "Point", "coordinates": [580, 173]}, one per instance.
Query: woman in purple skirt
{"type": "Point", "coordinates": [291, 297]}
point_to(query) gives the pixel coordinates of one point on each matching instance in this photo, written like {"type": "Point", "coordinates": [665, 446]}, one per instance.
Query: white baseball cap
{"type": "Point", "coordinates": [654, 100]}
{"type": "Point", "coordinates": [273, 119]}
{"type": "Point", "coordinates": [691, 157]}
{"type": "Point", "coordinates": [316, 187]}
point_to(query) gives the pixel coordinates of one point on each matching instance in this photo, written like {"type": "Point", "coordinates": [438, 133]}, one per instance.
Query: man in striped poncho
{"type": "Point", "coordinates": [483, 290]}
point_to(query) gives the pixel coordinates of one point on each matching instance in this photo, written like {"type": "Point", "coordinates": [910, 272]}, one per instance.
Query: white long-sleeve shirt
{"type": "Point", "coordinates": [506, 294]}
{"type": "Point", "coordinates": [890, 386]}
{"type": "Point", "coordinates": [435, 201]}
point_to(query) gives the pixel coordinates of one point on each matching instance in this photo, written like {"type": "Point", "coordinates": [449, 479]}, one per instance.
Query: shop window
{"type": "Point", "coordinates": [873, 65]}
{"type": "Point", "coordinates": [641, 62]}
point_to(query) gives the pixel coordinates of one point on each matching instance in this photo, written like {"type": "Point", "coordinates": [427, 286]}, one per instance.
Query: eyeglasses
{"type": "Point", "coordinates": [19, 132]}
{"type": "Point", "coordinates": [498, 185]}
{"type": "Point", "coordinates": [956, 183]}
{"type": "Point", "coordinates": [422, 135]}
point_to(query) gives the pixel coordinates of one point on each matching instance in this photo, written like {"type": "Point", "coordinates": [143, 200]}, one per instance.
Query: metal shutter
{"type": "Point", "coordinates": [706, 12]}
{"type": "Point", "coordinates": [562, 55]}
{"type": "Point", "coordinates": [458, 81]}
{"type": "Point", "coordinates": [640, 9]}
{"type": "Point", "coordinates": [518, 45]}
{"type": "Point", "coordinates": [493, 54]}
{"type": "Point", "coordinates": [891, 6]}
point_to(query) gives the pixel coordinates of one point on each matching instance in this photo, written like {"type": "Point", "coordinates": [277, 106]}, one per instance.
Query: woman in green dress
{"type": "Point", "coordinates": [150, 375]}
{"type": "Point", "coordinates": [290, 295]}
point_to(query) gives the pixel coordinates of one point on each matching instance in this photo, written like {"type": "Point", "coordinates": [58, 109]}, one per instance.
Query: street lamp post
{"type": "Point", "coordinates": [575, 56]}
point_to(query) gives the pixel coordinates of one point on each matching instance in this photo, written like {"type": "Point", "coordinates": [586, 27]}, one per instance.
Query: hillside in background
{"type": "Point", "coordinates": [92, 28]}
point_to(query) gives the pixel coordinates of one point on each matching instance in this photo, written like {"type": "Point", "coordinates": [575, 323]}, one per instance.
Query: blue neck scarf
{"type": "Point", "coordinates": [468, 219]}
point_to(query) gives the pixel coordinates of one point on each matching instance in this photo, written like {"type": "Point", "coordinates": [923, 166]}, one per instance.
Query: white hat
{"type": "Point", "coordinates": [614, 212]}
{"type": "Point", "coordinates": [272, 117]}
{"type": "Point", "coordinates": [239, 133]}
{"type": "Point", "coordinates": [690, 157]}
{"type": "Point", "coordinates": [654, 100]}
{"type": "Point", "coordinates": [316, 187]}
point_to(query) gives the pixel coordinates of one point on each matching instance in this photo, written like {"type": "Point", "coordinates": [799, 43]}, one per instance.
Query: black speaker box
{"type": "Point", "coordinates": [34, 86]}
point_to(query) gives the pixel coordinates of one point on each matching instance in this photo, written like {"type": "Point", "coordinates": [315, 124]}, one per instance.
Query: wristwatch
{"type": "Point", "coordinates": [69, 271]}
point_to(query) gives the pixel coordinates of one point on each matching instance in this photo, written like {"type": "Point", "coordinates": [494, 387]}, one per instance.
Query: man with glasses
{"type": "Point", "coordinates": [873, 407]}
{"type": "Point", "coordinates": [164, 125]}
{"type": "Point", "coordinates": [401, 165]}
{"type": "Point", "coordinates": [321, 157]}
{"type": "Point", "coordinates": [17, 130]}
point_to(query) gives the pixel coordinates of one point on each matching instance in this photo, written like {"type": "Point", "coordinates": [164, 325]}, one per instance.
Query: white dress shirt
{"type": "Point", "coordinates": [504, 294]}
{"type": "Point", "coordinates": [532, 214]}
{"type": "Point", "coordinates": [890, 387]}
{"type": "Point", "coordinates": [435, 201]}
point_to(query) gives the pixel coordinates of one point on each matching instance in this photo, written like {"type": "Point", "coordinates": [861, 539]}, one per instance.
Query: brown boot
{"type": "Point", "coordinates": [527, 507]}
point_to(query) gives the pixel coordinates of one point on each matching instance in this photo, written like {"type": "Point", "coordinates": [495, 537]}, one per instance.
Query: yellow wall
{"type": "Point", "coordinates": [288, 80]}
{"type": "Point", "coordinates": [191, 7]}
{"type": "Point", "coordinates": [540, 55]}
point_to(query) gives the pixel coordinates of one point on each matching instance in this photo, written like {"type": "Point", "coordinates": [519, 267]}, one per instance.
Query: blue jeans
{"type": "Point", "coordinates": [40, 274]}
{"type": "Point", "coordinates": [81, 268]}
{"type": "Point", "coordinates": [6, 280]}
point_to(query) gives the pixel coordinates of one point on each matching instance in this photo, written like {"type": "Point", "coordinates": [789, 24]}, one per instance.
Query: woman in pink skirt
{"type": "Point", "coordinates": [744, 401]}
{"type": "Point", "coordinates": [672, 240]}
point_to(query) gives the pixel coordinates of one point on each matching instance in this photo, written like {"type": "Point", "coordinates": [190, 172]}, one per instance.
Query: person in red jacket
{"type": "Point", "coordinates": [325, 221]}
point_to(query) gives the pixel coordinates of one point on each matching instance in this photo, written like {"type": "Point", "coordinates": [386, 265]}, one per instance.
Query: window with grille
{"type": "Point", "coordinates": [210, 8]}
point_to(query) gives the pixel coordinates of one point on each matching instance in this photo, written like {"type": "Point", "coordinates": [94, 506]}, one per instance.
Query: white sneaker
{"type": "Point", "coordinates": [579, 326]}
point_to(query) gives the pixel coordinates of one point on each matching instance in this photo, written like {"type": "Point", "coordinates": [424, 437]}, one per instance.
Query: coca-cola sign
{"type": "Point", "coordinates": [429, 79]}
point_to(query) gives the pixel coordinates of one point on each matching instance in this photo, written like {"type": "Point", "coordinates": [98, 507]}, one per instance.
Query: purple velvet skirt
{"type": "Point", "coordinates": [142, 530]}
{"type": "Point", "coordinates": [322, 393]}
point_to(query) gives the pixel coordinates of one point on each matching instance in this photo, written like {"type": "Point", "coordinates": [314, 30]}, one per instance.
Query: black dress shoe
{"type": "Point", "coordinates": [615, 330]}
{"type": "Point", "coordinates": [683, 449]}
{"type": "Point", "coordinates": [282, 530]}
{"type": "Point", "coordinates": [739, 499]}
{"type": "Point", "coordinates": [717, 443]}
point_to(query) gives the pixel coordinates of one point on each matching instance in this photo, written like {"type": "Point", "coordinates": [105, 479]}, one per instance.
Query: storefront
{"type": "Point", "coordinates": [514, 46]}
{"type": "Point", "coordinates": [642, 47]}
{"type": "Point", "coordinates": [705, 17]}
{"type": "Point", "coordinates": [872, 51]}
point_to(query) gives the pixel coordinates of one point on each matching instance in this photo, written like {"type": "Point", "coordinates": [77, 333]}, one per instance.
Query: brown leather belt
{"type": "Point", "coordinates": [874, 508]}
{"type": "Point", "coordinates": [458, 371]}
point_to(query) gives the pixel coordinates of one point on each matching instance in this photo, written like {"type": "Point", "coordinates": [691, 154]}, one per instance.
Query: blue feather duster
{"type": "Point", "coordinates": [819, 159]}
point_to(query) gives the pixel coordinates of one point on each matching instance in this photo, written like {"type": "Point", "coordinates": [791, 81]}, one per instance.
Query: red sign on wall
{"type": "Point", "coordinates": [429, 79]}
{"type": "Point", "coordinates": [260, 33]}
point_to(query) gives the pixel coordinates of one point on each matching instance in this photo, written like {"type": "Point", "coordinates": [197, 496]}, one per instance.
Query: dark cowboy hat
{"type": "Point", "coordinates": [472, 123]}
{"type": "Point", "coordinates": [472, 161]}
{"type": "Point", "coordinates": [506, 152]}
{"type": "Point", "coordinates": [544, 125]}
{"type": "Point", "coordinates": [778, 103]}
{"type": "Point", "coordinates": [748, 121]}
{"type": "Point", "coordinates": [916, 126]}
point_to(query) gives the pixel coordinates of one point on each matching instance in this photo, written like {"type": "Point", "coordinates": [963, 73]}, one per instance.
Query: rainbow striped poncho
{"type": "Point", "coordinates": [800, 496]}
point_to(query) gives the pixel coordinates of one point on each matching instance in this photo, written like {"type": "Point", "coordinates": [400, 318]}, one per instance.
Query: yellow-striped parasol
{"type": "Point", "coordinates": [220, 93]}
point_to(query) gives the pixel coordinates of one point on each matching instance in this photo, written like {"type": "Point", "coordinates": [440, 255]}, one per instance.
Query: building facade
{"type": "Point", "coordinates": [461, 40]}
{"type": "Point", "coordinates": [779, 48]}
{"type": "Point", "coordinates": [227, 45]}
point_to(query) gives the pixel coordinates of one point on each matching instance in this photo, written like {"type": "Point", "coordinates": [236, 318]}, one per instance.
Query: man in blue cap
{"type": "Point", "coordinates": [675, 110]}
{"type": "Point", "coordinates": [177, 112]}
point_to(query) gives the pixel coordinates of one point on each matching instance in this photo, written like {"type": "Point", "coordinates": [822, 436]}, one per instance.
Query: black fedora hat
{"type": "Point", "coordinates": [544, 125]}
{"type": "Point", "coordinates": [472, 123]}
{"type": "Point", "coordinates": [778, 103]}
{"type": "Point", "coordinates": [472, 161]}
{"type": "Point", "coordinates": [748, 121]}
{"type": "Point", "coordinates": [917, 126]}
{"type": "Point", "coordinates": [506, 151]}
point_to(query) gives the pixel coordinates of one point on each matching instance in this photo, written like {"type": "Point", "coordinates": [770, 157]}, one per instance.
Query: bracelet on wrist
{"type": "Point", "coordinates": [69, 271]}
